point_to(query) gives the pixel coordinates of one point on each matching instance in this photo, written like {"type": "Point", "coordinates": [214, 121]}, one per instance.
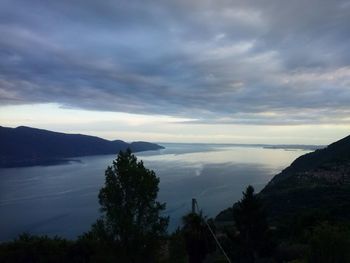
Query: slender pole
{"type": "Point", "coordinates": [194, 205]}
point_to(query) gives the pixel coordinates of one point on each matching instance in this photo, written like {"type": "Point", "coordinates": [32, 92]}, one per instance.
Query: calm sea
{"type": "Point", "coordinates": [62, 199]}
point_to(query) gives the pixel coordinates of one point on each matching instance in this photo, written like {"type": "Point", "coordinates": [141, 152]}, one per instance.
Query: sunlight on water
{"type": "Point", "coordinates": [227, 154]}
{"type": "Point", "coordinates": [62, 199]}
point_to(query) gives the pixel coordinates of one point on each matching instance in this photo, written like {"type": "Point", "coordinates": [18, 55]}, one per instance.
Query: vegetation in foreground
{"type": "Point", "coordinates": [132, 229]}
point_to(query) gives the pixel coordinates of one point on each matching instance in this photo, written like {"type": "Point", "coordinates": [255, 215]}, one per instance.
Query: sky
{"type": "Point", "coordinates": [218, 71]}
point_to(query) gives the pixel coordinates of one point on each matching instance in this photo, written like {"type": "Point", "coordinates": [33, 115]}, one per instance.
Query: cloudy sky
{"type": "Point", "coordinates": [178, 70]}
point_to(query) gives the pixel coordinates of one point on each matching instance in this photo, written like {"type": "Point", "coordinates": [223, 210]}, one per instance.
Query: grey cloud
{"type": "Point", "coordinates": [215, 61]}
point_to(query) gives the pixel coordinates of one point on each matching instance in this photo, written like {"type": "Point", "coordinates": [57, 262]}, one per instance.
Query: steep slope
{"type": "Point", "coordinates": [318, 181]}
{"type": "Point", "coordinates": [337, 153]}
{"type": "Point", "coordinates": [315, 181]}
{"type": "Point", "coordinates": [24, 146]}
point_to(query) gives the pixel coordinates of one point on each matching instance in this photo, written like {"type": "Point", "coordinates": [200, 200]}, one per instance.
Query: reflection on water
{"type": "Point", "coordinates": [62, 199]}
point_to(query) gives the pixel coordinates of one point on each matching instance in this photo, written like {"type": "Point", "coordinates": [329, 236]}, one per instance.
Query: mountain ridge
{"type": "Point", "coordinates": [337, 152]}
{"type": "Point", "coordinates": [26, 146]}
{"type": "Point", "coordinates": [318, 181]}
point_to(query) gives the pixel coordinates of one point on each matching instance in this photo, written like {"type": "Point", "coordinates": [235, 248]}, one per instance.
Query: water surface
{"type": "Point", "coordinates": [62, 199]}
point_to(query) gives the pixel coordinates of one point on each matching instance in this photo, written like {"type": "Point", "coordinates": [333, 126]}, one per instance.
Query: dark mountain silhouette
{"type": "Point", "coordinates": [318, 181]}
{"type": "Point", "coordinates": [337, 153]}
{"type": "Point", "coordinates": [25, 146]}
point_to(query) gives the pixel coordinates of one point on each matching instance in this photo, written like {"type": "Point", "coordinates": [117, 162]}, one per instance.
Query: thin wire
{"type": "Point", "coordinates": [214, 236]}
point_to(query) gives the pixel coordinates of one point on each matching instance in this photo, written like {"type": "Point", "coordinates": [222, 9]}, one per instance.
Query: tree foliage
{"type": "Point", "coordinates": [131, 216]}
{"type": "Point", "coordinates": [29, 249]}
{"type": "Point", "coordinates": [177, 248]}
{"type": "Point", "coordinates": [251, 225]}
{"type": "Point", "coordinates": [329, 244]}
{"type": "Point", "coordinates": [198, 239]}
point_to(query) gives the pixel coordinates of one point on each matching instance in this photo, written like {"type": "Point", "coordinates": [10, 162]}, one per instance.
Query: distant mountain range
{"type": "Point", "coordinates": [318, 181]}
{"type": "Point", "coordinates": [25, 146]}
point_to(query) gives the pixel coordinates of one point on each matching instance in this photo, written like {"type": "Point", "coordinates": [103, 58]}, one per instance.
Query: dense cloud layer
{"type": "Point", "coordinates": [251, 62]}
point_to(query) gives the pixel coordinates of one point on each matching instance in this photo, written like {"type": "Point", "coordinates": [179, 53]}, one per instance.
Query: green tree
{"type": "Point", "coordinates": [131, 217]}
{"type": "Point", "coordinates": [251, 224]}
{"type": "Point", "coordinates": [29, 249]}
{"type": "Point", "coordinates": [177, 248]}
{"type": "Point", "coordinates": [329, 244]}
{"type": "Point", "coordinates": [198, 239]}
